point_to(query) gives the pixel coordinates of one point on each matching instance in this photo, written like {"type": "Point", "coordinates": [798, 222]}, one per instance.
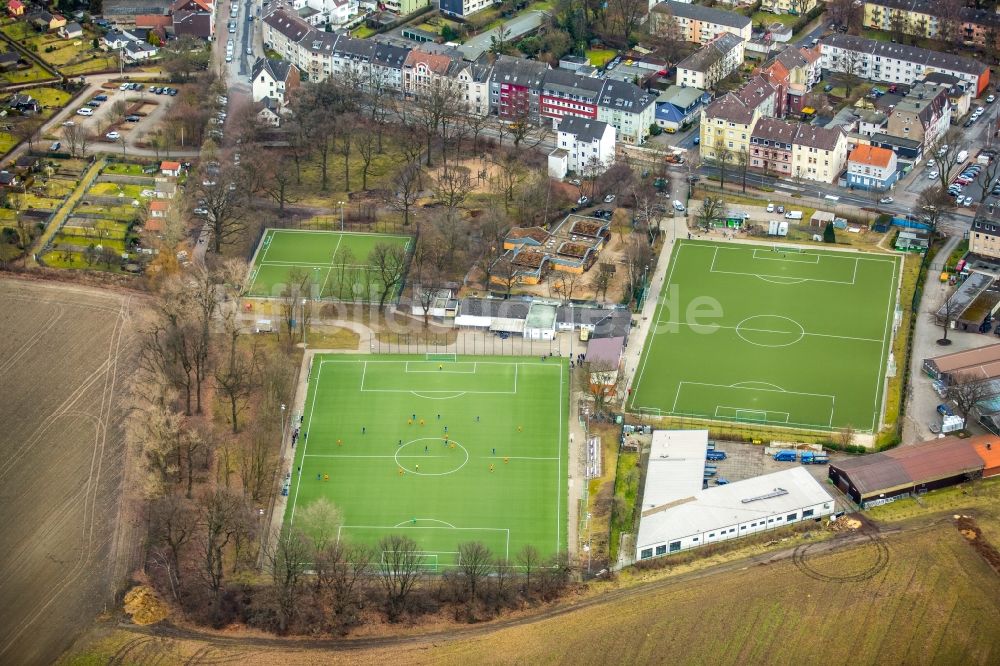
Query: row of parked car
{"type": "Point", "coordinates": [969, 174]}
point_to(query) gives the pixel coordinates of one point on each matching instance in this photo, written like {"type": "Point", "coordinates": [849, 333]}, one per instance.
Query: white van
{"type": "Point", "coordinates": [962, 155]}
{"type": "Point", "coordinates": [793, 215]}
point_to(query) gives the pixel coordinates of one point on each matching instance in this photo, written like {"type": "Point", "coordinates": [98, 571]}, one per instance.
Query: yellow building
{"type": "Point", "coordinates": [726, 123]}
{"type": "Point", "coordinates": [788, 6]}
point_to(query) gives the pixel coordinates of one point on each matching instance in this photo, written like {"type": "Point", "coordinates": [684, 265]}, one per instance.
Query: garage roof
{"type": "Point", "coordinates": [937, 459]}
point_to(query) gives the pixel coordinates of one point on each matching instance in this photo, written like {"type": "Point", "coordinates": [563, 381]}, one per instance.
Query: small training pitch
{"type": "Point", "coordinates": [770, 335]}
{"type": "Point", "coordinates": [337, 265]}
{"type": "Point", "coordinates": [439, 448]}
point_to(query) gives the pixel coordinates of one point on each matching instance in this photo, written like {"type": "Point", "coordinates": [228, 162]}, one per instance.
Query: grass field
{"type": "Point", "coordinates": [338, 264]}
{"type": "Point", "coordinates": [770, 335]}
{"type": "Point", "coordinates": [482, 461]}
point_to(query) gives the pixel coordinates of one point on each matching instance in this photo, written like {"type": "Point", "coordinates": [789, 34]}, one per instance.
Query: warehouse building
{"type": "Point", "coordinates": [980, 363]}
{"type": "Point", "coordinates": [880, 478]}
{"type": "Point", "coordinates": [679, 513]}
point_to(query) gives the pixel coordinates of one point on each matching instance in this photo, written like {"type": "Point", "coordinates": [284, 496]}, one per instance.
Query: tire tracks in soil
{"type": "Point", "coordinates": [110, 368]}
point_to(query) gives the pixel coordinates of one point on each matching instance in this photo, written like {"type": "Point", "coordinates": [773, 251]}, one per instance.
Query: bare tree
{"type": "Point", "coordinates": [389, 263]}
{"type": "Point", "coordinates": [173, 522]}
{"type": "Point", "coordinates": [966, 390]}
{"type": "Point", "coordinates": [624, 16]}
{"type": "Point", "coordinates": [528, 559]}
{"type": "Point", "coordinates": [219, 518]}
{"type": "Point", "coordinates": [223, 198]}
{"type": "Point", "coordinates": [452, 186]}
{"type": "Point", "coordinates": [712, 208]}
{"type": "Point", "coordinates": [368, 145]}
{"type": "Point", "coordinates": [601, 279]}
{"type": "Point", "coordinates": [845, 12]}
{"type": "Point", "coordinates": [405, 189]}
{"type": "Point", "coordinates": [946, 314]}
{"type": "Point", "coordinates": [599, 380]}
{"type": "Point", "coordinates": [723, 158]}
{"type": "Point", "coordinates": [287, 559]}
{"type": "Point", "coordinates": [77, 138]}
{"type": "Point", "coordinates": [475, 563]}
{"type": "Point", "coordinates": [934, 203]}
{"type": "Point", "coordinates": [743, 162]}
{"type": "Point", "coordinates": [320, 520]}
{"type": "Point", "coordinates": [237, 376]}
{"type": "Point", "coordinates": [398, 571]}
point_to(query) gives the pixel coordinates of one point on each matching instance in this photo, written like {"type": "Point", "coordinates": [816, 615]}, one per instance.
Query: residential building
{"type": "Point", "coordinates": [771, 146]}
{"type": "Point", "coordinates": [711, 63]}
{"type": "Point", "coordinates": [793, 73]}
{"type": "Point", "coordinates": [629, 109]}
{"type": "Point", "coordinates": [872, 122]}
{"type": "Point", "coordinates": [726, 123]}
{"type": "Point", "coordinates": [678, 512]}
{"type": "Point", "coordinates": [984, 236]}
{"type": "Point", "coordinates": [819, 153]}
{"type": "Point", "coordinates": [464, 8]}
{"type": "Point", "coordinates": [15, 8]}
{"type": "Point", "coordinates": [338, 14]}
{"type": "Point", "coordinates": [797, 150]}
{"type": "Point", "coordinates": [935, 20]}
{"type": "Point", "coordinates": [273, 79]}
{"type": "Point", "coordinates": [871, 168]}
{"type": "Point", "coordinates": [372, 64]}
{"type": "Point", "coordinates": [283, 32]}
{"type": "Point", "coordinates": [697, 23]}
{"type": "Point", "coordinates": [426, 72]}
{"type": "Point", "coordinates": [404, 7]}
{"type": "Point", "coordinates": [515, 88]}
{"type": "Point", "coordinates": [678, 107]}
{"type": "Point", "coordinates": [71, 31]}
{"type": "Point", "coordinates": [473, 80]}
{"type": "Point", "coordinates": [115, 41]}
{"type": "Point", "coordinates": [268, 112]}
{"type": "Point", "coordinates": [897, 63]}
{"type": "Point", "coordinates": [922, 115]}
{"type": "Point", "coordinates": [589, 143]}
{"type": "Point", "coordinates": [566, 93]}
{"type": "Point", "coordinates": [958, 92]}
{"type": "Point", "coordinates": [193, 24]}
{"type": "Point", "coordinates": [788, 6]}
{"type": "Point", "coordinates": [138, 51]}
{"type": "Point", "coordinates": [123, 13]}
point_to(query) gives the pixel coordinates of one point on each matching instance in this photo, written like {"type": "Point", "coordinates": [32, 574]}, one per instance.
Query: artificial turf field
{"type": "Point", "coordinates": [336, 261]}
{"type": "Point", "coordinates": [496, 475]}
{"type": "Point", "coordinates": [770, 335]}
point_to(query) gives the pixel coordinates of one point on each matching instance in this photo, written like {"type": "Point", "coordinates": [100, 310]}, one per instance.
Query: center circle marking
{"type": "Point", "coordinates": [758, 327]}
{"type": "Point", "coordinates": [437, 441]}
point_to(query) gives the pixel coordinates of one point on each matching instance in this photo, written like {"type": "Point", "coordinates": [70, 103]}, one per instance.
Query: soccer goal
{"type": "Point", "coordinates": [653, 412]}
{"type": "Point", "coordinates": [439, 357]}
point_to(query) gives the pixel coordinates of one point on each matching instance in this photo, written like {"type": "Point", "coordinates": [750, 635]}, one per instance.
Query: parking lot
{"type": "Point", "coordinates": [745, 461]}
{"type": "Point", "coordinates": [103, 115]}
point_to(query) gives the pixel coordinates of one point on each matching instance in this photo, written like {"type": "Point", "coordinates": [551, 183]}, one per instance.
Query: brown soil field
{"type": "Point", "coordinates": [66, 355]}
{"type": "Point", "coordinates": [921, 595]}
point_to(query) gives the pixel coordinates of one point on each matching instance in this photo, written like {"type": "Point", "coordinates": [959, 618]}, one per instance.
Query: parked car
{"type": "Point", "coordinates": [931, 163]}
{"type": "Point", "coordinates": [172, 92]}
{"type": "Point", "coordinates": [781, 209]}
{"type": "Point", "coordinates": [85, 111]}
{"type": "Point", "coordinates": [886, 200]}
{"type": "Point", "coordinates": [101, 98]}
{"type": "Point", "coordinates": [112, 135]}
{"type": "Point", "coordinates": [200, 211]}
{"type": "Point", "coordinates": [583, 200]}
{"type": "Point", "coordinates": [990, 99]}
{"type": "Point", "coordinates": [770, 208]}
{"type": "Point", "coordinates": [123, 86]}
{"type": "Point", "coordinates": [932, 175]}
{"type": "Point", "coordinates": [697, 140]}
{"type": "Point", "coordinates": [678, 206]}
{"type": "Point", "coordinates": [609, 198]}
{"type": "Point", "coordinates": [132, 119]}
{"type": "Point", "coordinates": [966, 201]}
{"type": "Point", "coordinates": [828, 87]}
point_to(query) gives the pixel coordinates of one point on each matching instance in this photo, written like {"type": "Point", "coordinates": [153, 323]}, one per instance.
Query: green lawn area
{"type": "Point", "coordinates": [34, 73]}
{"type": "Point", "coordinates": [7, 142]}
{"type": "Point", "coordinates": [50, 97]}
{"type": "Point", "coordinates": [769, 335]}
{"type": "Point", "coordinates": [363, 32]}
{"type": "Point", "coordinates": [443, 450]}
{"type": "Point", "coordinates": [337, 263]}
{"type": "Point", "coordinates": [767, 18]}
{"type": "Point", "coordinates": [124, 169]}
{"type": "Point", "coordinates": [128, 192]}
{"type": "Point", "coordinates": [876, 34]}
{"type": "Point", "coordinates": [97, 62]}
{"type": "Point", "coordinates": [600, 57]}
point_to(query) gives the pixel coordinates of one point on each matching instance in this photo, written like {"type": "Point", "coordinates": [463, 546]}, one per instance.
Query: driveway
{"type": "Point", "coordinates": [921, 399]}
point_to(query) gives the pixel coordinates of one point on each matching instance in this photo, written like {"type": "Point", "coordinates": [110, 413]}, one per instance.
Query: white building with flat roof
{"type": "Point", "coordinates": [679, 513]}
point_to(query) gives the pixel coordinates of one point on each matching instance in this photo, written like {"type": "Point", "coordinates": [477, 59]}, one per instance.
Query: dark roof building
{"type": "Point", "coordinates": [584, 129]}
{"type": "Point", "coordinates": [874, 479]}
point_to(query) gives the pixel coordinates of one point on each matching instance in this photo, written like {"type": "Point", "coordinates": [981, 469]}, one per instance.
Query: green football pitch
{"type": "Point", "coordinates": [337, 264]}
{"type": "Point", "coordinates": [770, 335]}
{"type": "Point", "coordinates": [441, 449]}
